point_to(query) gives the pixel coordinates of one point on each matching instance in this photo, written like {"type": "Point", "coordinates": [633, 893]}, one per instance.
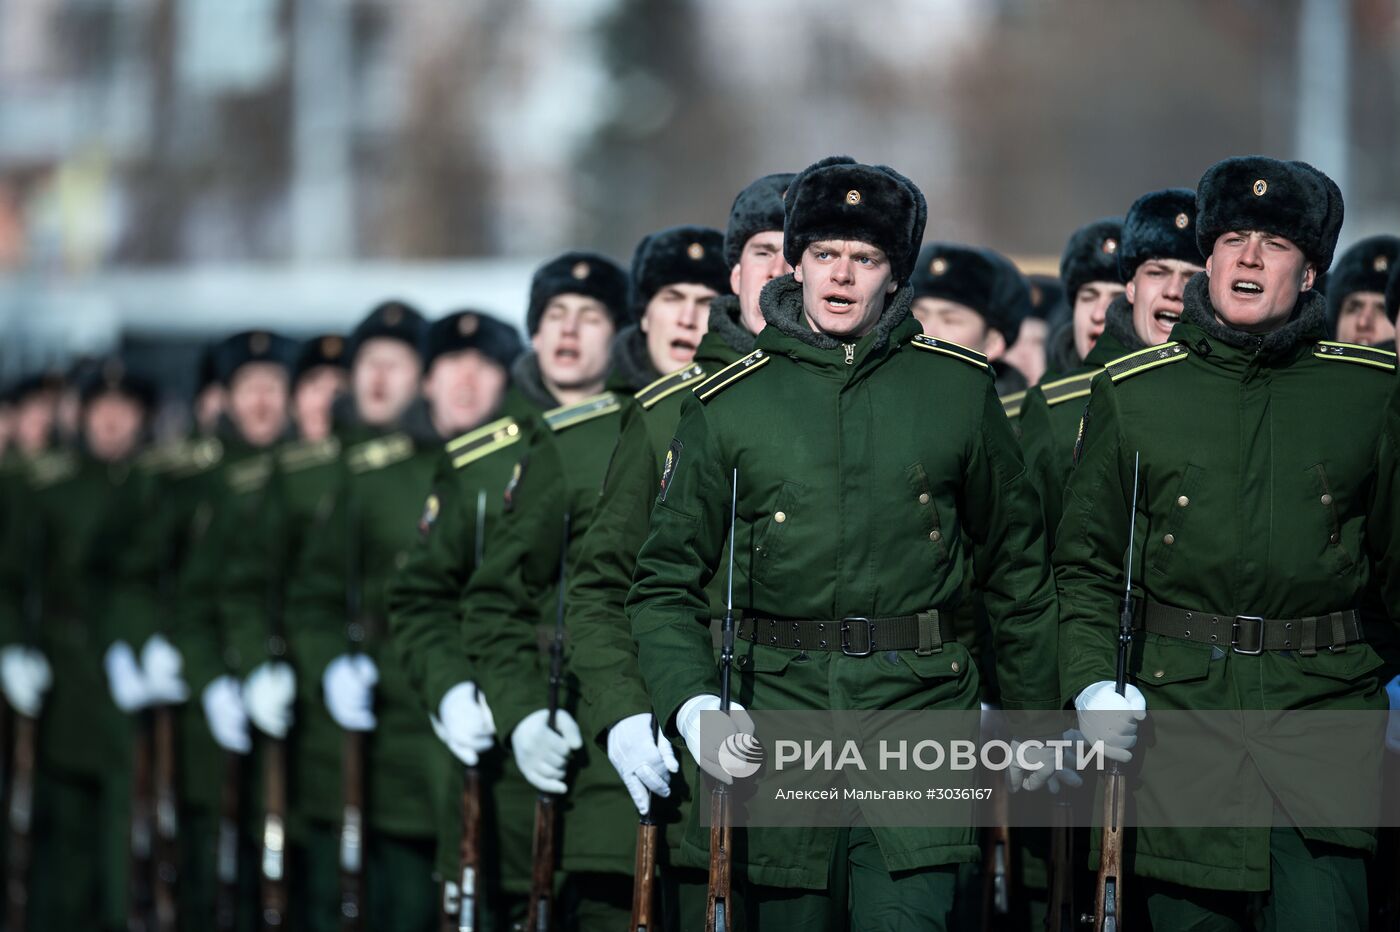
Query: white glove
{"type": "Point", "coordinates": [542, 753]}
{"type": "Point", "coordinates": [25, 676]}
{"type": "Point", "coordinates": [465, 724]}
{"type": "Point", "coordinates": [268, 693]}
{"type": "Point", "coordinates": [1113, 719]}
{"type": "Point", "coordinates": [688, 724]}
{"type": "Point", "coordinates": [1392, 725]}
{"type": "Point", "coordinates": [124, 679]}
{"type": "Point", "coordinates": [1046, 774]}
{"type": "Point", "coordinates": [162, 666]}
{"type": "Point", "coordinates": [223, 710]}
{"type": "Point", "coordinates": [349, 687]}
{"type": "Point", "coordinates": [643, 758]}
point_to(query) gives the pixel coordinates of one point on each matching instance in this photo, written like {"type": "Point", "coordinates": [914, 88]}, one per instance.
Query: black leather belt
{"type": "Point", "coordinates": [855, 636]}
{"type": "Point", "coordinates": [1252, 634]}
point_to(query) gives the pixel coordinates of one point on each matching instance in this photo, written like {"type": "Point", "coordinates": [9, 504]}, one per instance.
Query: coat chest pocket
{"type": "Point", "coordinates": [1328, 521]}
{"type": "Point", "coordinates": [1162, 547]}
{"type": "Point", "coordinates": [772, 532]}
{"type": "Point", "coordinates": [930, 523]}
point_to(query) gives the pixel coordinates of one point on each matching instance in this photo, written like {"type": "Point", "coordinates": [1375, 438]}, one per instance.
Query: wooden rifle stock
{"type": "Point", "coordinates": [539, 916]}
{"type": "Point", "coordinates": [167, 819]}
{"type": "Point", "coordinates": [274, 835]}
{"type": "Point", "coordinates": [1108, 895]}
{"type": "Point", "coordinates": [352, 832]}
{"type": "Point", "coordinates": [717, 913]}
{"type": "Point", "coordinates": [140, 866]}
{"type": "Point", "coordinates": [469, 874]}
{"type": "Point", "coordinates": [21, 821]}
{"type": "Point", "coordinates": [226, 854]}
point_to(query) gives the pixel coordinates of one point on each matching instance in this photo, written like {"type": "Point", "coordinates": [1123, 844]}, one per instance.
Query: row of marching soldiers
{"type": "Point", "coordinates": [375, 648]}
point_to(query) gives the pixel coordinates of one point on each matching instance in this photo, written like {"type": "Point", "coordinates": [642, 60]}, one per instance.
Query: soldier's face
{"type": "Point", "coordinates": [1255, 279]}
{"type": "Point", "coordinates": [573, 342]}
{"type": "Point", "coordinates": [1155, 294]}
{"type": "Point", "coordinates": [464, 389]}
{"type": "Point", "coordinates": [1028, 352]}
{"type": "Point", "coordinates": [384, 379]}
{"type": "Point", "coordinates": [844, 287]}
{"type": "Point", "coordinates": [759, 263]}
{"type": "Point", "coordinates": [34, 418]}
{"type": "Point", "coordinates": [111, 424]}
{"type": "Point", "coordinates": [675, 319]}
{"type": "Point", "coordinates": [949, 320]}
{"type": "Point", "coordinates": [312, 398]}
{"type": "Point", "coordinates": [1362, 319]}
{"type": "Point", "coordinates": [1091, 303]}
{"type": "Point", "coordinates": [257, 402]}
{"type": "Point", "coordinates": [208, 405]}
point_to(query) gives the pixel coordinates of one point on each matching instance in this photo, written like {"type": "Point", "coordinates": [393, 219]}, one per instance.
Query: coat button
{"type": "Point", "coordinates": [1333, 538]}
{"type": "Point", "coordinates": [779, 517]}
{"type": "Point", "coordinates": [935, 536]}
{"type": "Point", "coordinates": [1183, 501]}
{"type": "Point", "coordinates": [923, 498]}
{"type": "Point", "coordinates": [1169, 539]}
{"type": "Point", "coordinates": [955, 666]}
{"type": "Point", "coordinates": [1327, 498]}
{"type": "Point", "coordinates": [1159, 674]}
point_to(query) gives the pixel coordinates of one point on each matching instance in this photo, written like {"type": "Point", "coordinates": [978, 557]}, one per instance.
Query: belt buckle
{"type": "Point", "coordinates": [869, 636]}
{"type": "Point", "coordinates": [1235, 633]}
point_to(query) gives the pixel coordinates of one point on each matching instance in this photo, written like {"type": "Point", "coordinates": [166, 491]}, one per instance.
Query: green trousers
{"type": "Point", "coordinates": [1313, 886]}
{"type": "Point", "coordinates": [862, 895]}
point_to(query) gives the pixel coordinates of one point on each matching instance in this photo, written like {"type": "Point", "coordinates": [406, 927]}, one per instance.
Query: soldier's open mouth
{"type": "Point", "coordinates": [1247, 288]}
{"type": "Point", "coordinates": [837, 301]}
{"type": "Point", "coordinates": [682, 348]}
{"type": "Point", "coordinates": [566, 353]}
{"type": "Point", "coordinates": [1167, 317]}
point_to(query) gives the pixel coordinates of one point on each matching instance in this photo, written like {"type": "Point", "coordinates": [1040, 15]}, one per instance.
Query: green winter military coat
{"type": "Point", "coordinates": [298, 494]}
{"type": "Point", "coordinates": [873, 478]}
{"type": "Point", "coordinates": [347, 563]}
{"type": "Point", "coordinates": [603, 655]}
{"type": "Point", "coordinates": [510, 607]}
{"type": "Point", "coordinates": [1050, 413]}
{"type": "Point", "coordinates": [460, 520]}
{"type": "Point", "coordinates": [1268, 487]}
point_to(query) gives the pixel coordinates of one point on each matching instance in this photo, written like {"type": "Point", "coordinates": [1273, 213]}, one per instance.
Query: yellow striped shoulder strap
{"type": "Point", "coordinates": [1013, 402]}
{"type": "Point", "coordinates": [1151, 358]}
{"type": "Point", "coordinates": [1068, 388]}
{"type": "Point", "coordinates": [566, 416]}
{"type": "Point", "coordinates": [483, 441]}
{"type": "Point", "coordinates": [668, 385]}
{"type": "Point", "coordinates": [949, 348]}
{"type": "Point", "coordinates": [731, 373]}
{"type": "Point", "coordinates": [304, 454]}
{"type": "Point", "coordinates": [1355, 353]}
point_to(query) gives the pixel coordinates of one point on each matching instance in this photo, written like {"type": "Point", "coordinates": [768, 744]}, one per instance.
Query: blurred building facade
{"type": "Point", "coordinates": [180, 138]}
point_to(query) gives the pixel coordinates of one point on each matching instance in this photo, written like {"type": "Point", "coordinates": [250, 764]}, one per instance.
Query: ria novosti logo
{"type": "Point", "coordinates": [740, 755]}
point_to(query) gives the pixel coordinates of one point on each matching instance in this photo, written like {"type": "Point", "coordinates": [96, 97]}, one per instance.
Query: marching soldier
{"type": "Point", "coordinates": [1028, 353]}
{"type": "Point", "coordinates": [1355, 290]}
{"type": "Point", "coordinates": [1089, 273]}
{"type": "Point", "coordinates": [1155, 257]}
{"type": "Point", "coordinates": [61, 550]}
{"type": "Point", "coordinates": [578, 301]}
{"type": "Point", "coordinates": [604, 655]}
{"type": "Point", "coordinates": [671, 313]}
{"type": "Point", "coordinates": [1252, 429]}
{"type": "Point", "coordinates": [676, 273]}
{"type": "Point", "coordinates": [882, 543]}
{"type": "Point", "coordinates": [977, 299]}
{"type": "Point", "coordinates": [318, 378]}
{"type": "Point", "coordinates": [214, 488]}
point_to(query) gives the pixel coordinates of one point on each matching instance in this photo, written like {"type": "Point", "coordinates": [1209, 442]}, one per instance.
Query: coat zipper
{"type": "Point", "coordinates": [850, 349]}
